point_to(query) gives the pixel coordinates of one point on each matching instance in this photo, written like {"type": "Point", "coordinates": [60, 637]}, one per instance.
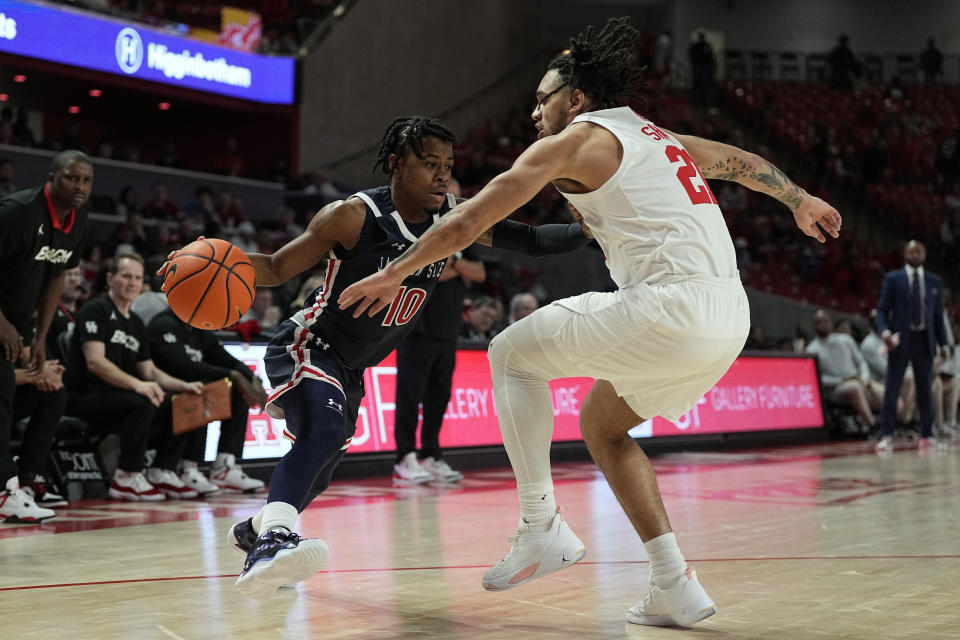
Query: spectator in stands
{"type": "Point", "coordinates": [663, 54]}
{"type": "Point", "coordinates": [245, 238]}
{"type": "Point", "coordinates": [875, 354]}
{"type": "Point", "coordinates": [170, 156]}
{"type": "Point", "coordinates": [703, 67]}
{"type": "Point", "coordinates": [844, 326]}
{"type": "Point", "coordinates": [7, 185]}
{"type": "Point", "coordinates": [127, 202]}
{"type": "Point", "coordinates": [843, 64]}
{"type": "Point", "coordinates": [480, 318]}
{"type": "Point", "coordinates": [160, 207]}
{"type": "Point", "coordinates": [64, 316]}
{"type": "Point", "coordinates": [756, 339]}
{"type": "Point", "coordinates": [105, 149]}
{"type": "Point", "coordinates": [43, 230]}
{"type": "Point", "coordinates": [844, 373]}
{"type": "Point", "coordinates": [267, 315]}
{"type": "Point", "coordinates": [931, 61]}
{"type": "Point", "coordinates": [21, 129]}
{"type": "Point", "coordinates": [522, 305]}
{"type": "Point", "coordinates": [230, 162]}
{"type": "Point", "coordinates": [229, 210]}
{"type": "Point", "coordinates": [910, 321]}
{"type": "Point", "coordinates": [948, 166]}
{"type": "Point", "coordinates": [6, 134]}
{"type": "Point", "coordinates": [425, 362]}
{"type": "Point", "coordinates": [950, 376]}
{"type": "Point", "coordinates": [40, 396]}
{"type": "Point", "coordinates": [92, 265]}
{"type": "Point", "coordinates": [186, 352]}
{"type": "Point", "coordinates": [202, 208]}
{"type": "Point", "coordinates": [71, 138]}
{"type": "Point", "coordinates": [114, 385]}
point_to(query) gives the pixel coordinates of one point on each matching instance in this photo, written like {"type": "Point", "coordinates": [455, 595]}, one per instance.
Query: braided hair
{"type": "Point", "coordinates": [602, 64]}
{"type": "Point", "coordinates": [408, 132]}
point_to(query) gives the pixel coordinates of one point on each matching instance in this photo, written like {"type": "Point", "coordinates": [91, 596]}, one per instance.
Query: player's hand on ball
{"type": "Point", "coordinates": [162, 271]}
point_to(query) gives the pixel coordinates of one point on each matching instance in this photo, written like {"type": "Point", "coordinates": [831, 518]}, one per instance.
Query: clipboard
{"type": "Point", "coordinates": [192, 411]}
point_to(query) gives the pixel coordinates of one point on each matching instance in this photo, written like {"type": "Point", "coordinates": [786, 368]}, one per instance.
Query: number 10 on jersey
{"type": "Point", "coordinates": [404, 306]}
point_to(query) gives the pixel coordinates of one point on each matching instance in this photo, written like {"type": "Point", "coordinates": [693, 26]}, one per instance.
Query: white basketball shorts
{"type": "Point", "coordinates": [662, 346]}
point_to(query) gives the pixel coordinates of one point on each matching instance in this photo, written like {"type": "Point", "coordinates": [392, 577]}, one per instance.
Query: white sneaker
{"type": "Point", "coordinates": [232, 478]}
{"type": "Point", "coordinates": [684, 605]}
{"type": "Point", "coordinates": [127, 485]}
{"type": "Point", "coordinates": [17, 507]}
{"type": "Point", "coordinates": [193, 479]}
{"type": "Point", "coordinates": [280, 559]}
{"type": "Point", "coordinates": [885, 445]}
{"type": "Point", "coordinates": [408, 471]}
{"type": "Point", "coordinates": [535, 555]}
{"type": "Point", "coordinates": [167, 481]}
{"type": "Point", "coordinates": [440, 471]}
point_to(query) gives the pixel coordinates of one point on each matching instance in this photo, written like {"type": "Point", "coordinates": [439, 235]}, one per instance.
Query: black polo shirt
{"type": "Point", "coordinates": [34, 250]}
{"type": "Point", "coordinates": [189, 353]}
{"type": "Point", "coordinates": [443, 311]}
{"type": "Point", "coordinates": [125, 342]}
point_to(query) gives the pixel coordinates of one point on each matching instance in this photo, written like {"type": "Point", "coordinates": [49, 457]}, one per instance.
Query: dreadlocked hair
{"type": "Point", "coordinates": [602, 64]}
{"type": "Point", "coordinates": [408, 132]}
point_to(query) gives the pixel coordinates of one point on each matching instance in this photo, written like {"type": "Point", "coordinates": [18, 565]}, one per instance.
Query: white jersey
{"type": "Point", "coordinates": [655, 219]}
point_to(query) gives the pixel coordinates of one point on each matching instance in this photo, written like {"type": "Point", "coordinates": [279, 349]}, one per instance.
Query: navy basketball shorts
{"type": "Point", "coordinates": [294, 356]}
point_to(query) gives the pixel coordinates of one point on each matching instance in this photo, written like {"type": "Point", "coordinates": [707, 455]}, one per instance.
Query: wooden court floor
{"type": "Point", "coordinates": [827, 541]}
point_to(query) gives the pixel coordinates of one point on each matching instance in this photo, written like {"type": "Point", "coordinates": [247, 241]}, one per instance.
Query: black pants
{"type": "Point", "coordinates": [424, 374]}
{"type": "Point", "coordinates": [192, 444]}
{"type": "Point", "coordinates": [120, 411]}
{"type": "Point", "coordinates": [8, 384]}
{"type": "Point", "coordinates": [914, 349]}
{"type": "Point", "coordinates": [44, 410]}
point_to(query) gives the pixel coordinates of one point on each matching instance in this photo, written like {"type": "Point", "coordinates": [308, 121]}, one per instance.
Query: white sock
{"type": "Point", "coordinates": [666, 562]}
{"type": "Point", "coordinates": [537, 505]}
{"type": "Point", "coordinates": [520, 368]}
{"type": "Point", "coordinates": [275, 514]}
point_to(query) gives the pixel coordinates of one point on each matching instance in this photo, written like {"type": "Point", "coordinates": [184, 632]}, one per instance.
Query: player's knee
{"type": "Point", "coordinates": [498, 353]}
{"type": "Point", "coordinates": [318, 447]}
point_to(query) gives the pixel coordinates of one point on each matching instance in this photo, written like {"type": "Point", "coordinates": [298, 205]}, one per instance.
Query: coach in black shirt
{"type": "Point", "coordinates": [187, 352]}
{"type": "Point", "coordinates": [42, 231]}
{"type": "Point", "coordinates": [112, 382]}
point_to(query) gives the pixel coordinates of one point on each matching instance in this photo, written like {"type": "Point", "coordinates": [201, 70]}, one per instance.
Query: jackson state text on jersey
{"type": "Point", "coordinates": [365, 341]}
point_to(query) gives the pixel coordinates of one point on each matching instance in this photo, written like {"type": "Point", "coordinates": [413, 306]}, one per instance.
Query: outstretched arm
{"type": "Point", "coordinates": [459, 228]}
{"type": "Point", "coordinates": [725, 162]}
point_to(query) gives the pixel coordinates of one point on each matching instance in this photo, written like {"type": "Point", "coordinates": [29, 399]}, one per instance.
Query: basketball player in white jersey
{"type": "Point", "coordinates": [656, 345]}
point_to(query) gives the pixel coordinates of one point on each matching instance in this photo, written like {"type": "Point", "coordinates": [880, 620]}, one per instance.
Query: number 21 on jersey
{"type": "Point", "coordinates": [690, 177]}
{"type": "Point", "coordinates": [404, 306]}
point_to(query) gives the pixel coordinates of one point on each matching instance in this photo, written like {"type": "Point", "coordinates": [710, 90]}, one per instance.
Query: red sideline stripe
{"type": "Point", "coordinates": [473, 566]}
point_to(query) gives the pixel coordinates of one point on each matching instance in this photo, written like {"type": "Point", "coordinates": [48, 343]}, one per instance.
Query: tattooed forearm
{"type": "Point", "coordinates": [767, 179]}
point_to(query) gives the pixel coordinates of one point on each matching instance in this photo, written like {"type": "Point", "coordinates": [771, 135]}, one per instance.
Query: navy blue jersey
{"type": "Point", "coordinates": [363, 342]}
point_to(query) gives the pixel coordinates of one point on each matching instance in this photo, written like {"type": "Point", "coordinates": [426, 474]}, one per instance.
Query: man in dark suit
{"type": "Point", "coordinates": [910, 320]}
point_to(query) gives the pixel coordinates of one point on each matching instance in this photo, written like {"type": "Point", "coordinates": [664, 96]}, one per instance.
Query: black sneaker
{"type": "Point", "coordinates": [43, 496]}
{"type": "Point", "coordinates": [242, 537]}
{"type": "Point", "coordinates": [278, 558]}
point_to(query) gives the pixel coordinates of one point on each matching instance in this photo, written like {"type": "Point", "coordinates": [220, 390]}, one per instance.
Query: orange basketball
{"type": "Point", "coordinates": [209, 284]}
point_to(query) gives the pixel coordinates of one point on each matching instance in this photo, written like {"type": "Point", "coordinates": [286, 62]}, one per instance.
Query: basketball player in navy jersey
{"type": "Point", "coordinates": [655, 346]}
{"type": "Point", "coordinates": [316, 359]}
